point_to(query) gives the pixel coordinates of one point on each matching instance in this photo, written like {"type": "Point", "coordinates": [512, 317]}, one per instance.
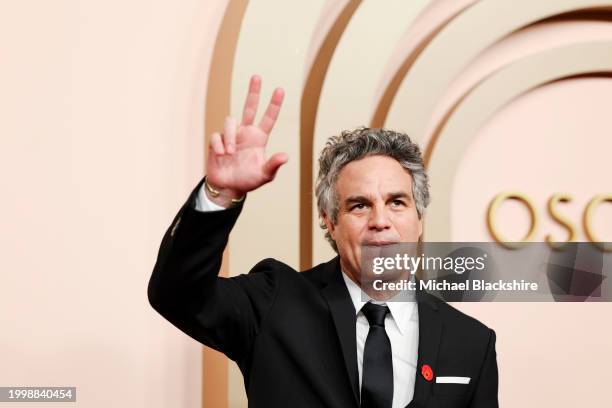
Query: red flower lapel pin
{"type": "Point", "coordinates": [427, 372]}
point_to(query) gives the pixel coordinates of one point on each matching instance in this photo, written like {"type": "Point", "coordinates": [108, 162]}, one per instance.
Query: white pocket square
{"type": "Point", "coordinates": [453, 380]}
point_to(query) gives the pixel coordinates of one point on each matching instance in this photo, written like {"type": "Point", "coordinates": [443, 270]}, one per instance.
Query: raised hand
{"type": "Point", "coordinates": [237, 158]}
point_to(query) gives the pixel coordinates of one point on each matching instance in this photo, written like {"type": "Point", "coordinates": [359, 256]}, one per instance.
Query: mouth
{"type": "Point", "coordinates": [379, 243]}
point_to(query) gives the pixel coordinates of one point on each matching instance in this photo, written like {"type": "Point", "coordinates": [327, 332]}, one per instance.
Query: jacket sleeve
{"type": "Point", "coordinates": [485, 393]}
{"type": "Point", "coordinates": [223, 313]}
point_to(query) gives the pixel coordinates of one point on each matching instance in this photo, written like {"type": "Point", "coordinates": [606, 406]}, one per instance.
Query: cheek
{"type": "Point", "coordinates": [350, 229]}
{"type": "Point", "coordinates": [408, 225]}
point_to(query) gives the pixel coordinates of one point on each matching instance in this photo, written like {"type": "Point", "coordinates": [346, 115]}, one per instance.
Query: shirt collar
{"type": "Point", "coordinates": [401, 310]}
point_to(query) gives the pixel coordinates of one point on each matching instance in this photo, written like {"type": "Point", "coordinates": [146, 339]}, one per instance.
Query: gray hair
{"type": "Point", "coordinates": [359, 143]}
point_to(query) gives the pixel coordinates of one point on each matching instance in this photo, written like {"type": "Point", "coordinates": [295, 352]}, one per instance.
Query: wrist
{"type": "Point", "coordinates": [224, 197]}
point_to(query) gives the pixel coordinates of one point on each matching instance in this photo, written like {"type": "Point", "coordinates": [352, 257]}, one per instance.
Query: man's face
{"type": "Point", "coordinates": [375, 207]}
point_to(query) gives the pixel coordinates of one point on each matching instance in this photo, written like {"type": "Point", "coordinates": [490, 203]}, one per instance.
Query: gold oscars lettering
{"type": "Point", "coordinates": [554, 213]}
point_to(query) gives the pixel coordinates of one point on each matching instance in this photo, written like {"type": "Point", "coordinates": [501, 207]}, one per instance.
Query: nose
{"type": "Point", "coordinates": [379, 219]}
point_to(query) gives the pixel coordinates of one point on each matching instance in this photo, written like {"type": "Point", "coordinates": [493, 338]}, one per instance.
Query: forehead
{"type": "Point", "coordinates": [373, 175]}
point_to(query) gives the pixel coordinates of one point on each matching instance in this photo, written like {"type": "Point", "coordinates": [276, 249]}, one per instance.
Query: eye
{"type": "Point", "coordinates": [397, 203]}
{"type": "Point", "coordinates": [359, 206]}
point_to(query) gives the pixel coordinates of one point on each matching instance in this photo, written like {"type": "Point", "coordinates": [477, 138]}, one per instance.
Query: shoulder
{"type": "Point", "coordinates": [460, 324]}
{"type": "Point", "coordinates": [271, 265]}
{"type": "Point", "coordinates": [317, 275]}
{"type": "Point", "coordinates": [269, 269]}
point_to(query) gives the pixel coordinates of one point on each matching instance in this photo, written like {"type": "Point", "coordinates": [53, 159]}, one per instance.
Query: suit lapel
{"type": "Point", "coordinates": [430, 332]}
{"type": "Point", "coordinates": [343, 313]}
{"type": "Point", "coordinates": [344, 316]}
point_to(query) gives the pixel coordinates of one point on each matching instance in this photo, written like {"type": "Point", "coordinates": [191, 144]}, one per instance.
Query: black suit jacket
{"type": "Point", "coordinates": [293, 334]}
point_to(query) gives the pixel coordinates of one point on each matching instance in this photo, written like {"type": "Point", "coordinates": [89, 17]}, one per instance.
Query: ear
{"type": "Point", "coordinates": [329, 224]}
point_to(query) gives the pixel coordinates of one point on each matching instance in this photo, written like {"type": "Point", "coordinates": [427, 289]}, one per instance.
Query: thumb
{"type": "Point", "coordinates": [273, 164]}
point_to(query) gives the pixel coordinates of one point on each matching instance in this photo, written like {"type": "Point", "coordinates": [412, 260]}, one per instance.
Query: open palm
{"type": "Point", "coordinates": [237, 159]}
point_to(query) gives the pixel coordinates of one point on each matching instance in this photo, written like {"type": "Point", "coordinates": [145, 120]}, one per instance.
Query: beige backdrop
{"type": "Point", "coordinates": [105, 107]}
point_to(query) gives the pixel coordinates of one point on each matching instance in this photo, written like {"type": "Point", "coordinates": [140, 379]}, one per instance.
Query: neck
{"type": "Point", "coordinates": [367, 284]}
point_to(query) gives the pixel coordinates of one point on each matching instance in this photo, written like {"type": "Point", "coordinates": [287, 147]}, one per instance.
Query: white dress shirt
{"type": "Point", "coordinates": [401, 325]}
{"type": "Point", "coordinates": [203, 203]}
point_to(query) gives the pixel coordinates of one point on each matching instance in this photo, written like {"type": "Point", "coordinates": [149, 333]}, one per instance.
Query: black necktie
{"type": "Point", "coordinates": [377, 371]}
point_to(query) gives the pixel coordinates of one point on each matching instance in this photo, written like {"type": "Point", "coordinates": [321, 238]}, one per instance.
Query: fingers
{"type": "Point", "coordinates": [250, 106]}
{"type": "Point", "coordinates": [269, 118]}
{"type": "Point", "coordinates": [229, 135]}
{"type": "Point", "coordinates": [251, 102]}
{"type": "Point", "coordinates": [216, 144]}
{"type": "Point", "coordinates": [273, 164]}
{"type": "Point", "coordinates": [226, 143]}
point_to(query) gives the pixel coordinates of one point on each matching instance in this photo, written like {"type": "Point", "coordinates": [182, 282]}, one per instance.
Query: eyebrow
{"type": "Point", "coordinates": [400, 194]}
{"type": "Point", "coordinates": [364, 199]}
{"type": "Point", "coordinates": [356, 199]}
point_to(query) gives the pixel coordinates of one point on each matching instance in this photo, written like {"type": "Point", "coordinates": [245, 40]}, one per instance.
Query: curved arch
{"type": "Point", "coordinates": [536, 38]}
{"type": "Point", "coordinates": [215, 366]}
{"type": "Point", "coordinates": [311, 94]}
{"type": "Point", "coordinates": [415, 39]}
{"type": "Point", "coordinates": [456, 46]}
{"type": "Point", "coordinates": [488, 98]}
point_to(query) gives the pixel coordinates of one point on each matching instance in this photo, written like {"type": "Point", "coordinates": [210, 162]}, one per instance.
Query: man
{"type": "Point", "coordinates": [312, 339]}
